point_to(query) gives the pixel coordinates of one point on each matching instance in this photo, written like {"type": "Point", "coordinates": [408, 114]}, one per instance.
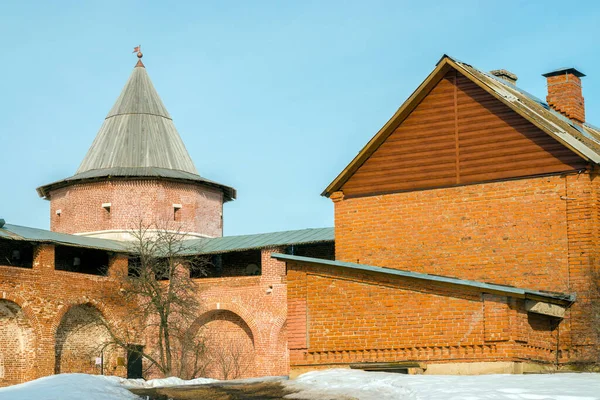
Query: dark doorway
{"type": "Point", "coordinates": [134, 361]}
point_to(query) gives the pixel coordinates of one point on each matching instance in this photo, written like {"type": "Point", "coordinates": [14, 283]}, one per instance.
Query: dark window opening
{"type": "Point", "coordinates": [237, 263]}
{"type": "Point", "coordinates": [134, 361]}
{"type": "Point", "coordinates": [324, 251]}
{"type": "Point", "coordinates": [133, 267]}
{"type": "Point", "coordinates": [176, 212]}
{"type": "Point", "coordinates": [15, 253]}
{"type": "Point", "coordinates": [83, 261]}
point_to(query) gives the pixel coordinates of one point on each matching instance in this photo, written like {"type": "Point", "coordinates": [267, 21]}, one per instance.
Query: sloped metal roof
{"type": "Point", "coordinates": [138, 132]}
{"type": "Point", "coordinates": [512, 291]}
{"type": "Point", "coordinates": [193, 246]}
{"type": "Point", "coordinates": [571, 134]}
{"type": "Point", "coordinates": [138, 139]}
{"type": "Point", "coordinates": [16, 232]}
{"type": "Point", "coordinates": [248, 242]}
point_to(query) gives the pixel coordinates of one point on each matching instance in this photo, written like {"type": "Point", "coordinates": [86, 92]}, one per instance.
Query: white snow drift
{"type": "Point", "coordinates": [337, 384]}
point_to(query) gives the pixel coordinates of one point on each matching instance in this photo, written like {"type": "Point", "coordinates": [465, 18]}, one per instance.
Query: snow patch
{"type": "Point", "coordinates": [69, 387]}
{"type": "Point", "coordinates": [361, 385]}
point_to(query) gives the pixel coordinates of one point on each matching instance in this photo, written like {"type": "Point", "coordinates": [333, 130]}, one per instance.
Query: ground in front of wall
{"type": "Point", "coordinates": [218, 391]}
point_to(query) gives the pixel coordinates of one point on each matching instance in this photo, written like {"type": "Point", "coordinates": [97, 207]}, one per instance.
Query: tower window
{"type": "Point", "coordinates": [177, 212]}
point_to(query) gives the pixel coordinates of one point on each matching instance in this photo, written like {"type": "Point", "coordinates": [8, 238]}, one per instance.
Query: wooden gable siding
{"type": "Point", "coordinates": [459, 134]}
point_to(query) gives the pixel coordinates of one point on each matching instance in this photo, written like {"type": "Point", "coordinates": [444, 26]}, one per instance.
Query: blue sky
{"type": "Point", "coordinates": [273, 98]}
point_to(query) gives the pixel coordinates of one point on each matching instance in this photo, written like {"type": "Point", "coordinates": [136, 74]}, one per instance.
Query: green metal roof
{"type": "Point", "coordinates": [247, 242]}
{"type": "Point", "coordinates": [483, 286]}
{"type": "Point", "coordinates": [193, 246]}
{"type": "Point", "coordinates": [16, 232]}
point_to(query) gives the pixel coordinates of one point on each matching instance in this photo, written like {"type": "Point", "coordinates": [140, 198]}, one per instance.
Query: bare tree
{"type": "Point", "coordinates": [230, 358]}
{"type": "Point", "coordinates": [162, 303]}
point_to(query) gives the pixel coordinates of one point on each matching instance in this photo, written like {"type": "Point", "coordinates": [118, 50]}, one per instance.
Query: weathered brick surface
{"type": "Point", "coordinates": [44, 316]}
{"type": "Point", "coordinates": [565, 96]}
{"type": "Point", "coordinates": [134, 201]}
{"type": "Point", "coordinates": [353, 316]}
{"type": "Point", "coordinates": [538, 233]}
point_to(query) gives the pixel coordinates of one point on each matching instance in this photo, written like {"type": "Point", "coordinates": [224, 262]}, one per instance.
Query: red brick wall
{"type": "Point", "coordinates": [538, 233]}
{"type": "Point", "coordinates": [47, 308]}
{"type": "Point", "coordinates": [352, 316]}
{"type": "Point", "coordinates": [132, 201]}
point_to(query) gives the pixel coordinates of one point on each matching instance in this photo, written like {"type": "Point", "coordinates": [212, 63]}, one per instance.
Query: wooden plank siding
{"type": "Point", "coordinates": [459, 134]}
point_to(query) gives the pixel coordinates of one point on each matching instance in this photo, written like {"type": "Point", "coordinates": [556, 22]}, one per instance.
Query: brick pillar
{"type": "Point", "coordinates": [581, 227]}
{"type": "Point", "coordinates": [43, 258]}
{"type": "Point", "coordinates": [118, 265]}
{"type": "Point", "coordinates": [43, 261]}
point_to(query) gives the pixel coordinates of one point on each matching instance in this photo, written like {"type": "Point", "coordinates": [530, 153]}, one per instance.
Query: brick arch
{"type": "Point", "coordinates": [229, 342]}
{"type": "Point", "coordinates": [17, 344]}
{"type": "Point", "coordinates": [105, 311]}
{"type": "Point", "coordinates": [27, 310]}
{"type": "Point", "coordinates": [80, 338]}
{"type": "Point", "coordinates": [276, 330]}
{"type": "Point", "coordinates": [246, 315]}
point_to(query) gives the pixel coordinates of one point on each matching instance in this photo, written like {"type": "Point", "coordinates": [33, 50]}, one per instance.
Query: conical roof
{"type": "Point", "coordinates": [137, 139]}
{"type": "Point", "coordinates": [138, 132]}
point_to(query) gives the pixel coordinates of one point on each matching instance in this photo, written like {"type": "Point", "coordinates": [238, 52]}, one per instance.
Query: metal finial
{"type": "Point", "coordinates": [139, 55]}
{"type": "Point", "coordinates": [138, 49]}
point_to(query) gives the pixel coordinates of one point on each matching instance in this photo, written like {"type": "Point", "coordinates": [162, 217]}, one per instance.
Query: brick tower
{"type": "Point", "coordinates": [137, 170]}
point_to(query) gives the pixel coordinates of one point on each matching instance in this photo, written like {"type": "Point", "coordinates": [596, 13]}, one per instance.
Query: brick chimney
{"type": "Point", "coordinates": [564, 93]}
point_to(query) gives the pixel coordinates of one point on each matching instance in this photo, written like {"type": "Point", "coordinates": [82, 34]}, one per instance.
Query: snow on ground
{"type": "Point", "coordinates": [336, 383]}
{"type": "Point", "coordinates": [354, 384]}
{"type": "Point", "coordinates": [69, 387]}
{"type": "Point", "coordinates": [152, 383]}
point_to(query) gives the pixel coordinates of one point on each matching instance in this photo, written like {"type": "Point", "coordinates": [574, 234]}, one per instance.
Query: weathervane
{"type": "Point", "coordinates": [139, 55]}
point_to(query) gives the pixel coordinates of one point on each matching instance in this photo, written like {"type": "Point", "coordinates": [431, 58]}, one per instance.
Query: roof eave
{"type": "Point", "coordinates": [555, 298]}
{"type": "Point", "coordinates": [229, 193]}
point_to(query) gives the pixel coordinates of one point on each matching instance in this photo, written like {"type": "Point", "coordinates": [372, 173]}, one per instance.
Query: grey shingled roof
{"type": "Point", "coordinates": [512, 291]}
{"type": "Point", "coordinates": [16, 232]}
{"type": "Point", "coordinates": [138, 139]}
{"type": "Point", "coordinates": [247, 242]}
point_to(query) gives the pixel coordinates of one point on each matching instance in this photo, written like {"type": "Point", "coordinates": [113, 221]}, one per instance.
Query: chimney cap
{"type": "Point", "coordinates": [564, 71]}
{"type": "Point", "coordinates": [504, 74]}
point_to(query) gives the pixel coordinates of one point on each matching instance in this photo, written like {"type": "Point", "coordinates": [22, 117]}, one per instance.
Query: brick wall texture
{"type": "Point", "coordinates": [133, 201]}
{"type": "Point", "coordinates": [46, 320]}
{"type": "Point", "coordinates": [343, 316]}
{"type": "Point", "coordinates": [536, 233]}
{"type": "Point", "coordinates": [565, 96]}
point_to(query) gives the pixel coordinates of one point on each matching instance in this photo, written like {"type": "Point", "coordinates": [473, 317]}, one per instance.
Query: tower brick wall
{"type": "Point", "coordinates": [149, 201]}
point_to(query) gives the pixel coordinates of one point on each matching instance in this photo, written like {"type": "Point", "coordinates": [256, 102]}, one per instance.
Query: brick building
{"type": "Point", "coordinates": [466, 235]}
{"type": "Point", "coordinates": [465, 241]}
